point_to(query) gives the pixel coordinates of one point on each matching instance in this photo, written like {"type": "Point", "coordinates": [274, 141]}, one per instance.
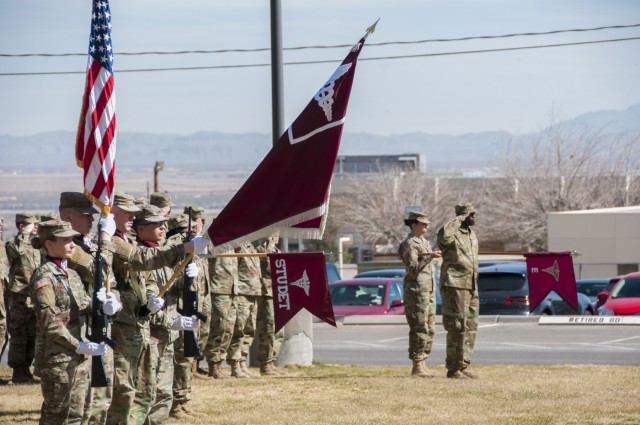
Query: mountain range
{"type": "Point", "coordinates": [227, 151]}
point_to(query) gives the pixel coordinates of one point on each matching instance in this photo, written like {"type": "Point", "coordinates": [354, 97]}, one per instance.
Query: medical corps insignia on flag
{"type": "Point", "coordinates": [299, 281]}
{"type": "Point", "coordinates": [551, 271]}
{"type": "Point", "coordinates": [289, 191]}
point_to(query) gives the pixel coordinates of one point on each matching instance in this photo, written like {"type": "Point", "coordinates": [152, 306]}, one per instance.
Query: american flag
{"type": "Point", "coordinates": [96, 138]}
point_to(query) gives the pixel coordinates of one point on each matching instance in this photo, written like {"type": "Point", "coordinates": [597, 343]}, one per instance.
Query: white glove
{"type": "Point", "coordinates": [199, 244]}
{"type": "Point", "coordinates": [155, 304]}
{"type": "Point", "coordinates": [192, 270]}
{"type": "Point", "coordinates": [184, 323]}
{"type": "Point", "coordinates": [111, 305]}
{"type": "Point", "coordinates": [102, 294]}
{"type": "Point", "coordinates": [91, 349]}
{"type": "Point", "coordinates": [108, 224]}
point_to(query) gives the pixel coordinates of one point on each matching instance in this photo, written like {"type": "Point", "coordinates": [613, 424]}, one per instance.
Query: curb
{"type": "Point", "coordinates": [401, 320]}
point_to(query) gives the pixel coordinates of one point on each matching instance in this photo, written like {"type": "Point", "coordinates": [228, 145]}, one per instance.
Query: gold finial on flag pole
{"type": "Point", "coordinates": [372, 28]}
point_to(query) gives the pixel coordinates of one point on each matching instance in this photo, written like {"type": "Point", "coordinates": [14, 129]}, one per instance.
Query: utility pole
{"type": "Point", "coordinates": [297, 347]}
{"type": "Point", "coordinates": [156, 169]}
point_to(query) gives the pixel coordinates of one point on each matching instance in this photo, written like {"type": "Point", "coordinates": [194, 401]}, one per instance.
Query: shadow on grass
{"type": "Point", "coordinates": [17, 416]}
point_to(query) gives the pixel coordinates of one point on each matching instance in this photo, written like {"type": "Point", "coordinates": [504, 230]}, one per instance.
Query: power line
{"type": "Point", "coordinates": [258, 65]}
{"type": "Point", "coordinates": [335, 46]}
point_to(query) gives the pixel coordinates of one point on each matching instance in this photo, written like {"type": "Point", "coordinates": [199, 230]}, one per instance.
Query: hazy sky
{"type": "Point", "coordinates": [514, 91]}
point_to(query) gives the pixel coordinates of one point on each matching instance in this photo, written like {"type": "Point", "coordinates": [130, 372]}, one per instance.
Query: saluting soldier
{"type": "Point", "coordinates": [23, 260]}
{"type": "Point", "coordinates": [419, 291]}
{"type": "Point", "coordinates": [61, 305]}
{"type": "Point", "coordinates": [459, 289]}
{"type": "Point", "coordinates": [269, 341]}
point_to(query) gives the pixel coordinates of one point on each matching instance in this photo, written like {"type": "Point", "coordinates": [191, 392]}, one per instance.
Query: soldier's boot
{"type": "Point", "coordinates": [472, 375]}
{"type": "Point", "coordinates": [236, 370]}
{"type": "Point", "coordinates": [456, 374]}
{"type": "Point", "coordinates": [195, 371]}
{"type": "Point", "coordinates": [248, 372]}
{"type": "Point", "coordinates": [269, 369]}
{"type": "Point", "coordinates": [22, 375]}
{"type": "Point", "coordinates": [188, 411]}
{"type": "Point", "coordinates": [215, 370]}
{"type": "Point", "coordinates": [419, 370]}
{"type": "Point", "coordinates": [177, 412]}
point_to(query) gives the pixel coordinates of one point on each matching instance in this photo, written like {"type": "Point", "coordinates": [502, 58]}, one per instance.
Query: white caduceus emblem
{"type": "Point", "coordinates": [553, 270]}
{"type": "Point", "coordinates": [303, 283]}
{"type": "Point", "coordinates": [324, 96]}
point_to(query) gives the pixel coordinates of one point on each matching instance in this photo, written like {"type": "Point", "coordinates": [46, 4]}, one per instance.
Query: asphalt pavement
{"type": "Point", "coordinates": [500, 340]}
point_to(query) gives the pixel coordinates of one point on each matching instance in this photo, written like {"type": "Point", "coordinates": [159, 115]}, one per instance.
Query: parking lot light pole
{"type": "Point", "coordinates": [341, 241]}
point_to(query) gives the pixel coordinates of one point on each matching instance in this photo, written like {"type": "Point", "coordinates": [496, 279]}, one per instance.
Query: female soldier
{"type": "Point", "coordinates": [61, 306]}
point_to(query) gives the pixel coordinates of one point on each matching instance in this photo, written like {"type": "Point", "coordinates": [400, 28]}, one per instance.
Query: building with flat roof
{"type": "Point", "coordinates": [607, 240]}
{"type": "Point", "coordinates": [369, 164]}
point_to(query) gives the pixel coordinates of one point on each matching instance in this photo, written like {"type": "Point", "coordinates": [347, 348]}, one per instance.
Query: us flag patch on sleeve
{"type": "Point", "coordinates": [40, 283]}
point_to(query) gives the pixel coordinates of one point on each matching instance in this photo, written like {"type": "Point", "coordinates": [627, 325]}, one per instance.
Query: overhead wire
{"type": "Point", "coordinates": [335, 46]}
{"type": "Point", "coordinates": [421, 55]}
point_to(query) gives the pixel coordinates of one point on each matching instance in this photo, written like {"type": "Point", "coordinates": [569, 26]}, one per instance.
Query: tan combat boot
{"type": "Point", "coordinates": [215, 370]}
{"type": "Point", "coordinates": [456, 374]}
{"type": "Point", "coordinates": [419, 370]}
{"type": "Point", "coordinates": [248, 372]}
{"type": "Point", "coordinates": [236, 370]}
{"type": "Point", "coordinates": [195, 371]}
{"type": "Point", "coordinates": [269, 369]}
{"type": "Point", "coordinates": [466, 372]}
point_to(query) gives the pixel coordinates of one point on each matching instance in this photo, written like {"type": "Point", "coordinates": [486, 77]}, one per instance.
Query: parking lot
{"type": "Point", "coordinates": [518, 342]}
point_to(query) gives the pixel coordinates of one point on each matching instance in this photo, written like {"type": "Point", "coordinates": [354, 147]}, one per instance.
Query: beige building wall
{"type": "Point", "coordinates": [608, 239]}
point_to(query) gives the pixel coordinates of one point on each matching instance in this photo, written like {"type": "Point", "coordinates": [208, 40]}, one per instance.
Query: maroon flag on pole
{"type": "Point", "coordinates": [551, 271]}
{"type": "Point", "coordinates": [289, 190]}
{"type": "Point", "coordinates": [299, 281]}
{"type": "Point", "coordinates": [96, 137]}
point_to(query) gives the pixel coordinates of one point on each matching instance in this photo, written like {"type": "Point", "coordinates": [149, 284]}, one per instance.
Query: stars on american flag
{"type": "Point", "coordinates": [100, 39]}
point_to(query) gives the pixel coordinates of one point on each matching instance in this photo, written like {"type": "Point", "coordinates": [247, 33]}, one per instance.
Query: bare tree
{"type": "Point", "coordinates": [561, 169]}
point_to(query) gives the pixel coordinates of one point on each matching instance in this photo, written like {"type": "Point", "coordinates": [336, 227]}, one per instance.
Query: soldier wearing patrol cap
{"type": "Point", "coordinates": [62, 305]}
{"type": "Point", "coordinates": [136, 351]}
{"type": "Point", "coordinates": [162, 201]}
{"type": "Point", "coordinates": [166, 323]}
{"type": "Point", "coordinates": [419, 290]}
{"type": "Point", "coordinates": [184, 367]}
{"type": "Point", "coordinates": [48, 216]}
{"type": "Point", "coordinates": [23, 260]}
{"type": "Point", "coordinates": [76, 209]}
{"type": "Point", "coordinates": [459, 289]}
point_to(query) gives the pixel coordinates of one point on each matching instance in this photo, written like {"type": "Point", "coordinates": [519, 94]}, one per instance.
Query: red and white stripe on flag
{"type": "Point", "coordinates": [96, 137]}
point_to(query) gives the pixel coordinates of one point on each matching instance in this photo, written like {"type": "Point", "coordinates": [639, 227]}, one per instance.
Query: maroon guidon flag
{"type": "Point", "coordinates": [96, 137]}
{"type": "Point", "coordinates": [299, 280]}
{"type": "Point", "coordinates": [551, 271]}
{"type": "Point", "coordinates": [289, 191]}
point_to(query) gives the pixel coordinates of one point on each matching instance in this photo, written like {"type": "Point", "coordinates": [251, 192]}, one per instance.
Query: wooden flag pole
{"type": "Point", "coordinates": [177, 272]}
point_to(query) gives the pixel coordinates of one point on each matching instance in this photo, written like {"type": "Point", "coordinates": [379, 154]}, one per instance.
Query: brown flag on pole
{"type": "Point", "coordinates": [289, 190]}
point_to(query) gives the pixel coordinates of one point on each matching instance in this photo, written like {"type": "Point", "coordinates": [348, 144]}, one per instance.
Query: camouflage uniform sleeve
{"type": "Point", "coordinates": [144, 258]}
{"type": "Point", "coordinates": [446, 234]}
{"type": "Point", "coordinates": [413, 262]}
{"type": "Point", "coordinates": [48, 314]}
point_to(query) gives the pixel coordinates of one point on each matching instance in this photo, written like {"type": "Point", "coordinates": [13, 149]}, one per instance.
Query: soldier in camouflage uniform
{"type": "Point", "coordinates": [269, 341]}
{"type": "Point", "coordinates": [23, 260]}
{"type": "Point", "coordinates": [244, 330]}
{"type": "Point", "coordinates": [76, 209]}
{"type": "Point", "coordinates": [185, 367]}
{"type": "Point", "coordinates": [419, 291]}
{"type": "Point", "coordinates": [61, 305]}
{"type": "Point", "coordinates": [459, 289]}
{"type": "Point", "coordinates": [162, 201]}
{"type": "Point", "coordinates": [166, 323]}
{"type": "Point", "coordinates": [223, 272]}
{"type": "Point", "coordinates": [130, 329]}
{"type": "Point", "coordinates": [4, 276]}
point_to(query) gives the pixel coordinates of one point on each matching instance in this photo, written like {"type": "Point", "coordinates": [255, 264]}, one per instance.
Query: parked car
{"type": "Point", "coordinates": [504, 289]}
{"type": "Point", "coordinates": [591, 288]}
{"type": "Point", "coordinates": [333, 274]}
{"type": "Point", "coordinates": [624, 298]}
{"type": "Point", "coordinates": [367, 296]}
{"type": "Point", "coordinates": [602, 296]}
{"type": "Point", "coordinates": [389, 273]}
